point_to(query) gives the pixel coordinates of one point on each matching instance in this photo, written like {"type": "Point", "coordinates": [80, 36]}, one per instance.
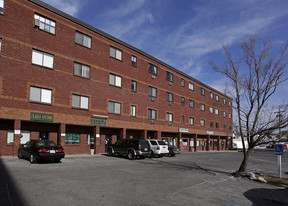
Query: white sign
{"type": "Point", "coordinates": [183, 130]}
{"type": "Point", "coordinates": [17, 131]}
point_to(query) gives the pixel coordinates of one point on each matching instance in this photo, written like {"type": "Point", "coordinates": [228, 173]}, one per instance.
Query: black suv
{"type": "Point", "coordinates": [130, 148]}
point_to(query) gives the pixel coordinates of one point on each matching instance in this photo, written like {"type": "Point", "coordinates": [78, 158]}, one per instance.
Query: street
{"type": "Point", "coordinates": [200, 178]}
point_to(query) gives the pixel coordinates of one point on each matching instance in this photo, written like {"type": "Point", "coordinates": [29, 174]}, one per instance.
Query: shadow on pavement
{"type": "Point", "coordinates": [267, 197]}
{"type": "Point", "coordinates": [9, 193]}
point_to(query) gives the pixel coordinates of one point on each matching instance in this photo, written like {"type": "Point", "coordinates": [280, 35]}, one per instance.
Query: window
{"type": "Point", "coordinates": [211, 124]}
{"type": "Point", "coordinates": [230, 104]}
{"type": "Point", "coordinates": [81, 102]}
{"type": "Point", "coordinates": [202, 107]}
{"type": "Point", "coordinates": [152, 114]}
{"type": "Point", "coordinates": [224, 101]}
{"type": "Point", "coordinates": [182, 119]}
{"type": "Point", "coordinates": [191, 86]}
{"type": "Point", "coordinates": [217, 111]}
{"type": "Point", "coordinates": [133, 61]}
{"type": "Point", "coordinates": [115, 53]}
{"type": "Point", "coordinates": [152, 69]}
{"type": "Point", "coordinates": [44, 23]}
{"type": "Point", "coordinates": [42, 58]}
{"type": "Point", "coordinates": [114, 107]}
{"type": "Point", "coordinates": [211, 110]}
{"type": "Point", "coordinates": [169, 117]}
{"type": "Point", "coordinates": [224, 114]}
{"type": "Point", "coordinates": [211, 95]}
{"type": "Point", "coordinates": [217, 98]}
{"type": "Point", "coordinates": [169, 76]}
{"type": "Point", "coordinates": [203, 91]}
{"type": "Point", "coordinates": [83, 39]}
{"type": "Point", "coordinates": [182, 82]}
{"type": "Point", "coordinates": [202, 123]}
{"type": "Point", "coordinates": [1, 6]}
{"type": "Point", "coordinates": [42, 95]}
{"type": "Point", "coordinates": [133, 86]}
{"type": "Point", "coordinates": [191, 103]}
{"type": "Point", "coordinates": [25, 136]}
{"type": "Point", "coordinates": [169, 96]}
{"type": "Point", "coordinates": [191, 120]}
{"type": "Point", "coordinates": [133, 111]}
{"type": "Point", "coordinates": [230, 116]}
{"type": "Point", "coordinates": [0, 45]}
{"type": "Point", "coordinates": [152, 91]}
{"type": "Point", "coordinates": [182, 101]}
{"type": "Point", "coordinates": [10, 136]}
{"type": "Point", "coordinates": [81, 70]}
{"type": "Point", "coordinates": [225, 126]}
{"type": "Point", "coordinates": [216, 125]}
{"type": "Point", "coordinates": [115, 80]}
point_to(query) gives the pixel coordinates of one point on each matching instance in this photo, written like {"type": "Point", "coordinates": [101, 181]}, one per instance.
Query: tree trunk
{"type": "Point", "coordinates": [244, 163]}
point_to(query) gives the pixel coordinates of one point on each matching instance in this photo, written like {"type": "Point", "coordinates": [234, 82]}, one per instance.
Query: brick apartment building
{"type": "Point", "coordinates": [64, 80]}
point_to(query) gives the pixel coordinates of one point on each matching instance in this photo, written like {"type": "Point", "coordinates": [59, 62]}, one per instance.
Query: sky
{"type": "Point", "coordinates": [186, 34]}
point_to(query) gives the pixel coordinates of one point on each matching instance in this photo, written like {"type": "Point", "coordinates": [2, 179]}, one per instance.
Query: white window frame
{"type": "Point", "coordinates": [191, 103]}
{"type": "Point", "coordinates": [169, 77]}
{"type": "Point", "coordinates": [202, 123]}
{"type": "Point", "coordinates": [80, 102]}
{"type": "Point", "coordinates": [45, 23]}
{"type": "Point", "coordinates": [152, 69]}
{"type": "Point", "coordinates": [211, 95]}
{"type": "Point", "coordinates": [81, 70]}
{"type": "Point", "coordinates": [42, 58]}
{"type": "Point", "coordinates": [169, 117]}
{"type": "Point", "coordinates": [191, 86]}
{"type": "Point", "coordinates": [169, 97]}
{"type": "Point", "coordinates": [191, 121]}
{"type": "Point", "coordinates": [133, 86]}
{"type": "Point", "coordinates": [83, 39]}
{"type": "Point", "coordinates": [115, 53]}
{"type": "Point", "coordinates": [114, 107]}
{"type": "Point", "coordinates": [202, 107]}
{"type": "Point", "coordinates": [115, 80]}
{"type": "Point", "coordinates": [10, 135]}
{"type": "Point", "coordinates": [133, 111]}
{"type": "Point", "coordinates": [25, 136]}
{"type": "Point", "coordinates": [41, 95]}
{"type": "Point", "coordinates": [182, 82]}
{"type": "Point", "coordinates": [152, 114]}
{"type": "Point", "coordinates": [224, 114]}
{"type": "Point", "coordinates": [211, 109]}
{"type": "Point", "coordinates": [1, 6]}
{"type": "Point", "coordinates": [217, 98]}
{"type": "Point", "coordinates": [152, 91]}
{"type": "Point", "coordinates": [230, 115]}
{"type": "Point", "coordinates": [217, 111]}
{"type": "Point", "coordinates": [134, 61]}
{"type": "Point", "coordinates": [202, 91]}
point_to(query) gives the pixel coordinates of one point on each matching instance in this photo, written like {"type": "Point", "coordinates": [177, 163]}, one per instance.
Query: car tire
{"type": "Point", "coordinates": [32, 159]}
{"type": "Point", "coordinates": [20, 156]}
{"type": "Point", "coordinates": [131, 155]}
{"type": "Point", "coordinates": [109, 152]}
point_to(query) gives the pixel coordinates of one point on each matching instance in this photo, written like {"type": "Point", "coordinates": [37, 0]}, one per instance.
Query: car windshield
{"type": "Point", "coordinates": [153, 142]}
{"type": "Point", "coordinates": [144, 143]}
{"type": "Point", "coordinates": [45, 143]}
{"type": "Point", "coordinates": [161, 142]}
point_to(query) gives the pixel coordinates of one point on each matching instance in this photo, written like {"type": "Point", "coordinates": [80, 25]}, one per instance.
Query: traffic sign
{"type": "Point", "coordinates": [279, 149]}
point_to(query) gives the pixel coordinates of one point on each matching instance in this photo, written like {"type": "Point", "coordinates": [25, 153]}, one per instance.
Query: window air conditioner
{"type": "Point", "coordinates": [152, 122]}
{"type": "Point", "coordinates": [153, 99]}
{"type": "Point", "coordinates": [153, 76]}
{"type": "Point", "coordinates": [36, 22]}
{"type": "Point", "coordinates": [170, 124]}
{"type": "Point", "coordinates": [170, 83]}
{"type": "Point", "coordinates": [170, 103]}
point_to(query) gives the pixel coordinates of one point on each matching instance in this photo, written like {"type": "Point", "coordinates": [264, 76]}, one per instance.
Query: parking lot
{"type": "Point", "coordinates": [200, 178]}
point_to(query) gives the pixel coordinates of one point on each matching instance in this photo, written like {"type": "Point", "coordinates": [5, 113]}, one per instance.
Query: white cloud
{"type": "Point", "coordinates": [71, 7]}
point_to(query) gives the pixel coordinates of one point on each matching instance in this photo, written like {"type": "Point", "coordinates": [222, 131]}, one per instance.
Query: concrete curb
{"type": "Point", "coordinates": [275, 180]}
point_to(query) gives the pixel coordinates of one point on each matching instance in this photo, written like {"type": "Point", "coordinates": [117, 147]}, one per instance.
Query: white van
{"type": "Point", "coordinates": [158, 147]}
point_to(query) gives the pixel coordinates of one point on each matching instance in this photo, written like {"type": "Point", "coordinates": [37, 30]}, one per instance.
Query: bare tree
{"type": "Point", "coordinates": [254, 78]}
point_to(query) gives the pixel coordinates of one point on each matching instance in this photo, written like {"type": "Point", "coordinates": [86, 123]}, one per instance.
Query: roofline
{"type": "Point", "coordinates": [98, 31]}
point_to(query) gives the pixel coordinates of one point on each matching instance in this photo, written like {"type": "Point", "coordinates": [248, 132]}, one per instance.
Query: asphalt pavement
{"type": "Point", "coordinates": [198, 178]}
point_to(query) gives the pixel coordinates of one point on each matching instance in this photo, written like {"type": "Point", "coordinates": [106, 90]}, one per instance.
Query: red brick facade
{"type": "Point", "coordinates": [19, 36]}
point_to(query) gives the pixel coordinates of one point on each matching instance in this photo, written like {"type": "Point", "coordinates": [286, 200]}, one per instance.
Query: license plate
{"type": "Point", "coordinates": [145, 149]}
{"type": "Point", "coordinates": [52, 151]}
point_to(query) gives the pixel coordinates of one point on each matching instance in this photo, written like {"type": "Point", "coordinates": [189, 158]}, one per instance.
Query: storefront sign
{"type": "Point", "coordinates": [96, 121]}
{"type": "Point", "coordinates": [41, 117]}
{"type": "Point", "coordinates": [209, 132]}
{"type": "Point", "coordinates": [183, 130]}
{"type": "Point", "coordinates": [71, 138]}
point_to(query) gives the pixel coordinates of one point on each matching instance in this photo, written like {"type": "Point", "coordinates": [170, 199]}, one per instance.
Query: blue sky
{"type": "Point", "coordinates": [186, 34]}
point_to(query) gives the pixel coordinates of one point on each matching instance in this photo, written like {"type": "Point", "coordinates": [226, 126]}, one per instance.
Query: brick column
{"type": "Point", "coordinates": [179, 141]}
{"type": "Point", "coordinates": [96, 135]}
{"type": "Point", "coordinates": [159, 135]}
{"type": "Point", "coordinates": [208, 143]}
{"type": "Point", "coordinates": [17, 134]}
{"type": "Point", "coordinates": [195, 142]}
{"type": "Point", "coordinates": [123, 133]}
{"type": "Point", "coordinates": [145, 133]}
{"type": "Point", "coordinates": [218, 145]}
{"type": "Point", "coordinates": [61, 134]}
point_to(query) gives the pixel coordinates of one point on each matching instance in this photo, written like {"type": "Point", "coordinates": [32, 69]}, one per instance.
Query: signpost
{"type": "Point", "coordinates": [279, 151]}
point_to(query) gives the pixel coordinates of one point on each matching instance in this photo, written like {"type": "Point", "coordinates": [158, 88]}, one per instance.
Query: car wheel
{"type": "Point", "coordinates": [131, 155]}
{"type": "Point", "coordinates": [20, 156]}
{"type": "Point", "coordinates": [32, 159]}
{"type": "Point", "coordinates": [152, 154]}
{"type": "Point", "coordinates": [109, 152]}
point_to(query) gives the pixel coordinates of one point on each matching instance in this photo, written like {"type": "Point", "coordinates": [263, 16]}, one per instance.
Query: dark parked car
{"type": "Point", "coordinates": [130, 148]}
{"type": "Point", "coordinates": [173, 150]}
{"type": "Point", "coordinates": [35, 150]}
